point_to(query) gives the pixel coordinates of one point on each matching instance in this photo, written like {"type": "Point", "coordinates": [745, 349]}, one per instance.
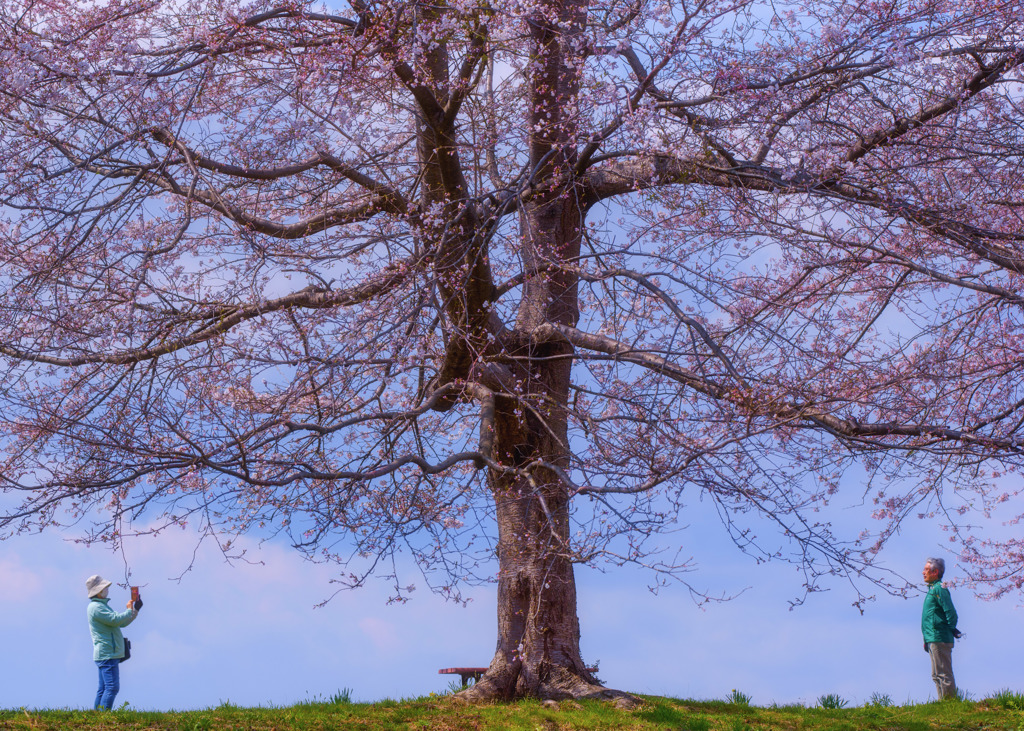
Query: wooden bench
{"type": "Point", "coordinates": [464, 673]}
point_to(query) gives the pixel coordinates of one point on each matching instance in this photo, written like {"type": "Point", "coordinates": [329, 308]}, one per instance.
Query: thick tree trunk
{"type": "Point", "coordinates": [538, 650]}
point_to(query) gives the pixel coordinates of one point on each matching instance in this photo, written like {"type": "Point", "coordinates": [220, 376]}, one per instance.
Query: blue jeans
{"type": "Point", "coordinates": [110, 683]}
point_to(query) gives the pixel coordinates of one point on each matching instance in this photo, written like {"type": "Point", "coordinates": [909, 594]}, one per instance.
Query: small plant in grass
{"type": "Point", "coordinates": [738, 698]}
{"type": "Point", "coordinates": [880, 700]}
{"type": "Point", "coordinates": [832, 700]}
{"type": "Point", "coordinates": [963, 695]}
{"type": "Point", "coordinates": [457, 687]}
{"type": "Point", "coordinates": [1007, 700]}
{"type": "Point", "coordinates": [342, 698]}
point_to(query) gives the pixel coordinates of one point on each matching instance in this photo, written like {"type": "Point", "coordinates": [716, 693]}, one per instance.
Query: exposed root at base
{"type": "Point", "coordinates": [508, 684]}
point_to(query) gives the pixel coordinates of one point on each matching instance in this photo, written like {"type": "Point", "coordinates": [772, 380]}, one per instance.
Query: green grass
{"type": "Point", "coordinates": [880, 700]}
{"type": "Point", "coordinates": [832, 700]}
{"type": "Point", "coordinates": [1008, 700]}
{"type": "Point", "coordinates": [444, 714]}
{"type": "Point", "coordinates": [738, 698]}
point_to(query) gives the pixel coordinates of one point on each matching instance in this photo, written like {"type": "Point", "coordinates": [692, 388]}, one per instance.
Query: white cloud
{"type": "Point", "coordinates": [161, 650]}
{"type": "Point", "coordinates": [21, 586]}
{"type": "Point", "coordinates": [250, 633]}
{"type": "Point", "coordinates": [382, 634]}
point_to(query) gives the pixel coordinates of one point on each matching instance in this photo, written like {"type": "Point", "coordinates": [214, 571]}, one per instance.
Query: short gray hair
{"type": "Point", "coordinates": [938, 563]}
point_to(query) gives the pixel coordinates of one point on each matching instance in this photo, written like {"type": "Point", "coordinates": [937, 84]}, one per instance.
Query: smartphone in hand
{"type": "Point", "coordinates": [135, 594]}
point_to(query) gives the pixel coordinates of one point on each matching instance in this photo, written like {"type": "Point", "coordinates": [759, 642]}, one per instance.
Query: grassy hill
{"type": "Point", "coordinates": [1004, 711]}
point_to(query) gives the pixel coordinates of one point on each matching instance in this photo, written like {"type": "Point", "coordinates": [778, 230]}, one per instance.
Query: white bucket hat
{"type": "Point", "coordinates": [96, 584]}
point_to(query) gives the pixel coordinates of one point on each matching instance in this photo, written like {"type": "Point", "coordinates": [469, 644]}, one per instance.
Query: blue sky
{"type": "Point", "coordinates": [251, 635]}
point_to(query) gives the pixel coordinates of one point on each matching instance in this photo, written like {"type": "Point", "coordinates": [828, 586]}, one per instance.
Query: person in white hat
{"type": "Point", "coordinates": [107, 641]}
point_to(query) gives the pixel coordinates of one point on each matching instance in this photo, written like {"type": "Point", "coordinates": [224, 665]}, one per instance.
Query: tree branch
{"type": "Point", "coordinates": [224, 318]}
{"type": "Point", "coordinates": [793, 414]}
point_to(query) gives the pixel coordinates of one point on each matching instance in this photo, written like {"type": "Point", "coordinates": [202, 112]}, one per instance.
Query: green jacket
{"type": "Point", "coordinates": [938, 618]}
{"type": "Point", "coordinates": [105, 625]}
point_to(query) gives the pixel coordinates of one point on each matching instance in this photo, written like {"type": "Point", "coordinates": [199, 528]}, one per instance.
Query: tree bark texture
{"type": "Point", "coordinates": [538, 651]}
{"type": "Point", "coordinates": [538, 648]}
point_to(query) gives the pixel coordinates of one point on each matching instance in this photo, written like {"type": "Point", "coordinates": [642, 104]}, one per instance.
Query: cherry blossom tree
{"type": "Point", "coordinates": [507, 286]}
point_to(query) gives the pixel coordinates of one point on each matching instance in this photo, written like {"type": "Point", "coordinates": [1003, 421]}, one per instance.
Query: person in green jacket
{"type": "Point", "coordinates": [938, 625]}
{"type": "Point", "coordinates": [107, 641]}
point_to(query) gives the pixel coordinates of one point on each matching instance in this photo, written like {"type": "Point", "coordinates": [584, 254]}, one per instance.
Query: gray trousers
{"type": "Point", "coordinates": [941, 654]}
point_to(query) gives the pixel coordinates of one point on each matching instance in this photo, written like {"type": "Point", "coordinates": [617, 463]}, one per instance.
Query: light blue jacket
{"type": "Point", "coordinates": [105, 625]}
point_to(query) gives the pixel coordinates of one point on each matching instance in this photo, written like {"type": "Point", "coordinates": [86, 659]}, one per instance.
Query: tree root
{"type": "Point", "coordinates": [559, 684]}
